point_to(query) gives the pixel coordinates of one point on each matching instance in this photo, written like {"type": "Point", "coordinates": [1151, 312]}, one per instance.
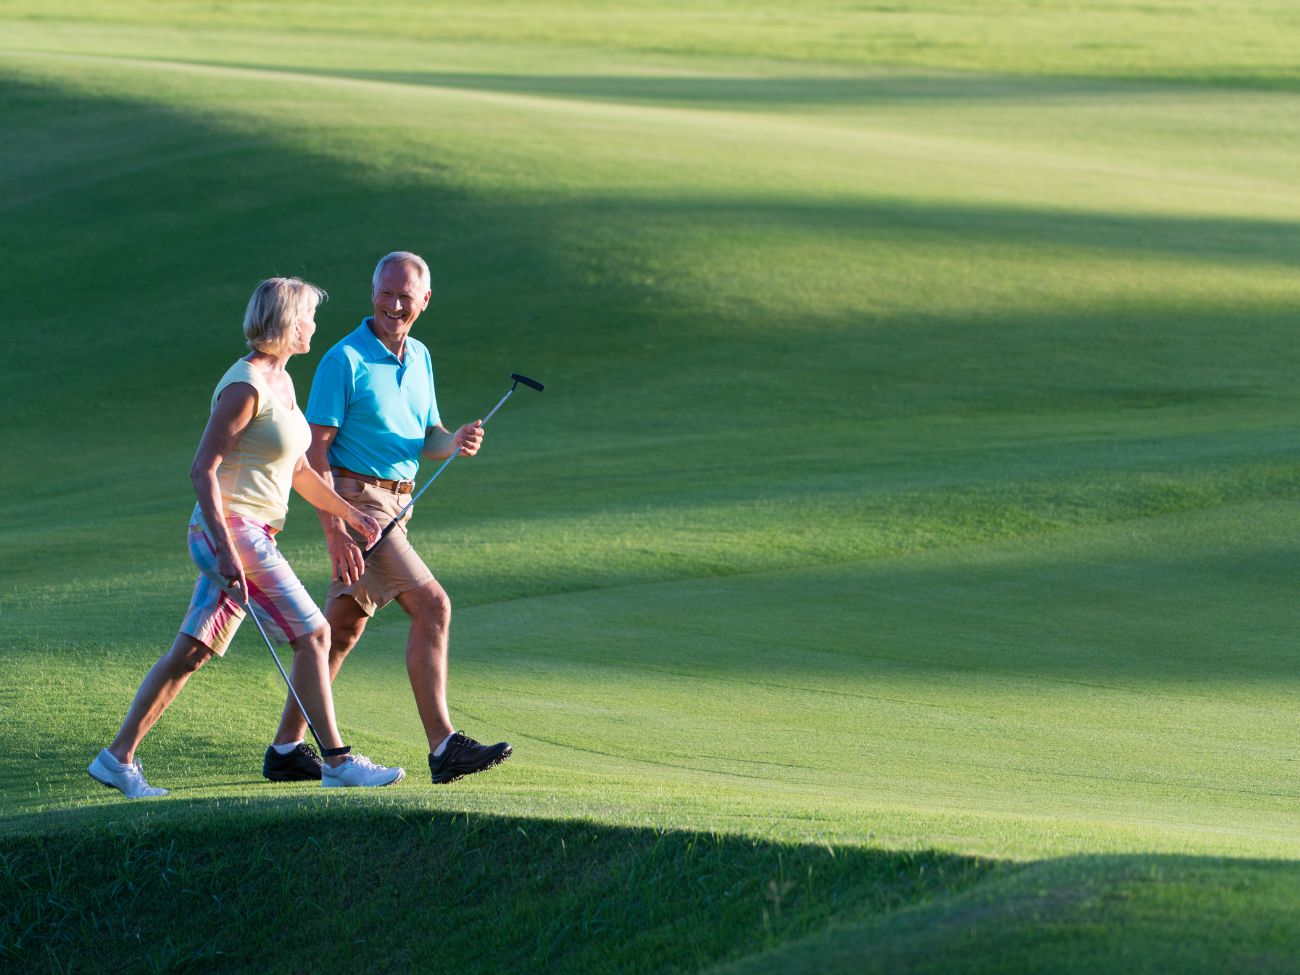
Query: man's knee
{"type": "Point", "coordinates": [429, 605]}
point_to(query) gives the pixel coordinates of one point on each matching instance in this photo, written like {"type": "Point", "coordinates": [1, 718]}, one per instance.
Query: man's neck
{"type": "Point", "coordinates": [395, 346]}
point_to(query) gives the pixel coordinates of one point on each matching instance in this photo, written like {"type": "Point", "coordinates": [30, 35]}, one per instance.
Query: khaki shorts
{"type": "Point", "coordinates": [394, 568]}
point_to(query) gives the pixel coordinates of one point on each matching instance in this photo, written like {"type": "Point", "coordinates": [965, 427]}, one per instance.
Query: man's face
{"type": "Point", "coordinates": [398, 300]}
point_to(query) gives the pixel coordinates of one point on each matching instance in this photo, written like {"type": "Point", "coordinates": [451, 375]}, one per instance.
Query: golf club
{"type": "Point", "coordinates": [531, 383]}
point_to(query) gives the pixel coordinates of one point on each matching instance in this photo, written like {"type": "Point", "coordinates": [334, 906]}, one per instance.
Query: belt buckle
{"type": "Point", "coordinates": [403, 487]}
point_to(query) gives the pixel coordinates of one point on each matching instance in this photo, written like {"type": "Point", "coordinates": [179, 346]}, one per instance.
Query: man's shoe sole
{"type": "Point", "coordinates": [291, 777]}
{"type": "Point", "coordinates": [460, 775]}
{"type": "Point", "coordinates": [288, 768]}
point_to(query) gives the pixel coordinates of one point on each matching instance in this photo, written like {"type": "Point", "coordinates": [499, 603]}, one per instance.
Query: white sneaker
{"type": "Point", "coordinates": [359, 771]}
{"type": "Point", "coordinates": [107, 770]}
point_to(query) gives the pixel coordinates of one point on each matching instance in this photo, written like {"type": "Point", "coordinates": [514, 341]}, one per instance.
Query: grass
{"type": "Point", "coordinates": [580, 896]}
{"type": "Point", "coordinates": [895, 575]}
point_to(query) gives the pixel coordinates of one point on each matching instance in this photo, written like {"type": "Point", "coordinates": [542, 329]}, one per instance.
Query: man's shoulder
{"type": "Point", "coordinates": [350, 348]}
{"type": "Point", "coordinates": [417, 348]}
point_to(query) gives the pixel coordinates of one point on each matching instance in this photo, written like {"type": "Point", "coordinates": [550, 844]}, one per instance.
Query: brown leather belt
{"type": "Point", "coordinates": [397, 487]}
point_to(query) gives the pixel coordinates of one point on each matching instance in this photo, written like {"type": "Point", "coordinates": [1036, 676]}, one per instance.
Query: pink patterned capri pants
{"type": "Point", "coordinates": [279, 599]}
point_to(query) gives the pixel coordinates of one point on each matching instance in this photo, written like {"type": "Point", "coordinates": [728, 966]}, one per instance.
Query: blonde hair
{"type": "Point", "coordinates": [278, 303]}
{"type": "Point", "coordinates": [401, 257]}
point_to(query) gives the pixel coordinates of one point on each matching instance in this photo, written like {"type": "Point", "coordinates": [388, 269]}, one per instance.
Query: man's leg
{"type": "Point", "coordinates": [426, 656]}
{"type": "Point", "coordinates": [452, 755]}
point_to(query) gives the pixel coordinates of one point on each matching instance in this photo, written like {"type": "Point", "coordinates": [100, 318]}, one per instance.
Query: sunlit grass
{"type": "Point", "coordinates": [913, 486]}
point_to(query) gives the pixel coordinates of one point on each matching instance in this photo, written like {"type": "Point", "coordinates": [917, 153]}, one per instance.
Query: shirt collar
{"type": "Point", "coordinates": [371, 344]}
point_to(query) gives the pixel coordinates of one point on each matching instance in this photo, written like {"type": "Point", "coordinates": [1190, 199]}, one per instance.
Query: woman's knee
{"type": "Point", "coordinates": [187, 655]}
{"type": "Point", "coordinates": [347, 621]}
{"type": "Point", "coordinates": [317, 643]}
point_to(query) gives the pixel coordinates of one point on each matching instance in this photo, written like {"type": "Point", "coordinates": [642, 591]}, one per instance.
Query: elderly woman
{"type": "Point", "coordinates": [250, 455]}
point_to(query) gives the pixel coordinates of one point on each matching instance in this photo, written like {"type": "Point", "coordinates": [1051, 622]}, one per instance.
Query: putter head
{"type": "Point", "coordinates": [527, 382]}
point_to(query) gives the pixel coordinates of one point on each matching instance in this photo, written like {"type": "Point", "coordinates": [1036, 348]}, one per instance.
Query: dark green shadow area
{"type": "Point", "coordinates": [341, 889]}
{"type": "Point", "coordinates": [1086, 914]}
{"type": "Point", "coordinates": [198, 886]}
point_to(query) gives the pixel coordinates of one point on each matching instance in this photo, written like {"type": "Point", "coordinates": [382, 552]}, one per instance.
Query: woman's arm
{"type": "Point", "coordinates": [235, 409]}
{"type": "Point", "coordinates": [322, 496]}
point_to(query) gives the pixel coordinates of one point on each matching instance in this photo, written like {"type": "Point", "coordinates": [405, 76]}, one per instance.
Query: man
{"type": "Point", "coordinates": [373, 413]}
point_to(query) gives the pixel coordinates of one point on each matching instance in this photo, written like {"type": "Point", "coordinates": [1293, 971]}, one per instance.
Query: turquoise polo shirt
{"type": "Point", "coordinates": [382, 407]}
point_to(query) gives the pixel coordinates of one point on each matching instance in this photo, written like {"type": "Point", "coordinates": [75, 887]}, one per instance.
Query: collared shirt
{"type": "Point", "coordinates": [381, 406]}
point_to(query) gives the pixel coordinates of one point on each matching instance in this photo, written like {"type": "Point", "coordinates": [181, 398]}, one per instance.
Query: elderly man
{"type": "Point", "coordinates": [373, 413]}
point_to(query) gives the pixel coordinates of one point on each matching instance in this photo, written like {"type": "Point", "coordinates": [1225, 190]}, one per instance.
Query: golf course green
{"type": "Point", "coordinates": [899, 572]}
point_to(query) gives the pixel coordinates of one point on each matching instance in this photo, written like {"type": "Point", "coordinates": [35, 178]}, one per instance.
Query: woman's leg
{"type": "Point", "coordinates": [158, 689]}
{"type": "Point", "coordinates": [311, 679]}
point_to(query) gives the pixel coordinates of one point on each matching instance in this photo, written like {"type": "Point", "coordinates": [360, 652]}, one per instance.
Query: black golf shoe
{"type": "Point", "coordinates": [464, 756]}
{"type": "Point", "coordinates": [300, 765]}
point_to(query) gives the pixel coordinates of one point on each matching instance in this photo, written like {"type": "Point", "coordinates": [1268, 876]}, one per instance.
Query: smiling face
{"type": "Point", "coordinates": [398, 299]}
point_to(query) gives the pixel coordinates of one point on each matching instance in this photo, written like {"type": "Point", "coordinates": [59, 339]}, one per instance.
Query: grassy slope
{"type": "Point", "coordinates": [1031, 338]}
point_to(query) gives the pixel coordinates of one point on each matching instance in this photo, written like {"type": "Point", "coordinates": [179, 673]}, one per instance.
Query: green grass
{"type": "Point", "coordinates": [897, 573]}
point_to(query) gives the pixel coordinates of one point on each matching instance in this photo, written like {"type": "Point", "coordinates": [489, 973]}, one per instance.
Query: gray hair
{"type": "Point", "coordinates": [278, 303]}
{"type": "Point", "coordinates": [401, 257]}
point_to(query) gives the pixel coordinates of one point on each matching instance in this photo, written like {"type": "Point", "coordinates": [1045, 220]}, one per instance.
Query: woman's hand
{"type": "Point", "coordinates": [362, 523]}
{"type": "Point", "coordinates": [232, 570]}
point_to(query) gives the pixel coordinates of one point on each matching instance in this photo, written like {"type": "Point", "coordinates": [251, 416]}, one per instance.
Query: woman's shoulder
{"type": "Point", "coordinates": [242, 371]}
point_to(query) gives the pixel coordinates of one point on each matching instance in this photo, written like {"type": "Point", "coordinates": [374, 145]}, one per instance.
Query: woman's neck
{"type": "Point", "coordinates": [268, 362]}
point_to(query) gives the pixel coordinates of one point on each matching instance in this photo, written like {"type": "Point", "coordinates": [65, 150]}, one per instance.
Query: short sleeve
{"type": "Point", "coordinates": [331, 390]}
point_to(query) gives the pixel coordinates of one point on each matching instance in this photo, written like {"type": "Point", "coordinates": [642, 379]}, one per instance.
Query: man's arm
{"type": "Point", "coordinates": [346, 562]}
{"type": "Point", "coordinates": [440, 443]}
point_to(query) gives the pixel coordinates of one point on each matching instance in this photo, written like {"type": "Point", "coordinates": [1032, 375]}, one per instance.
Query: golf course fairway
{"type": "Point", "coordinates": [898, 573]}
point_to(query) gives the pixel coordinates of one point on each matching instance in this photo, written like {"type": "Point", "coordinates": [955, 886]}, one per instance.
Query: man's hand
{"type": "Point", "coordinates": [345, 556]}
{"type": "Point", "coordinates": [469, 438]}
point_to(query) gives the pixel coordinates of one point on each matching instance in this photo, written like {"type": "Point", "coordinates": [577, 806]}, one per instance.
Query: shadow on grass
{"type": "Point", "coordinates": [1082, 914]}
{"type": "Point", "coordinates": [348, 889]}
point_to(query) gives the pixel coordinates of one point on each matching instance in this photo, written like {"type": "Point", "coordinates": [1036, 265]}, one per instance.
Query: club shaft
{"type": "Point", "coordinates": [442, 467]}
{"type": "Point", "coordinates": [248, 606]}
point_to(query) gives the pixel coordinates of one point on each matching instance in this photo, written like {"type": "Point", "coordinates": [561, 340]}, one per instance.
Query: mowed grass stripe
{"type": "Point", "coordinates": [1142, 173]}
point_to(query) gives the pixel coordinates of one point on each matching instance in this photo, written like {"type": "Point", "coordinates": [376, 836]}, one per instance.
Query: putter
{"type": "Point", "coordinates": [531, 383]}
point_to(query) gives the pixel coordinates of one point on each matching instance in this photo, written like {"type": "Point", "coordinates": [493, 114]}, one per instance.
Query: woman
{"type": "Point", "coordinates": [251, 453]}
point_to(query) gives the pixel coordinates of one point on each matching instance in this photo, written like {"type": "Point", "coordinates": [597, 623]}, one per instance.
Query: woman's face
{"type": "Point", "coordinates": [300, 335]}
